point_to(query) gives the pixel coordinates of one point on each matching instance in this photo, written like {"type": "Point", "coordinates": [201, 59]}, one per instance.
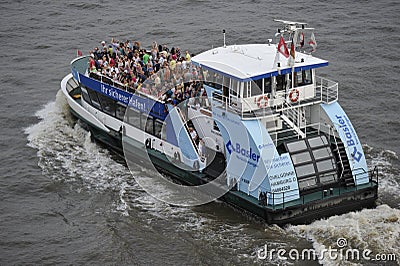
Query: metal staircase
{"type": "Point", "coordinates": [294, 117]}
{"type": "Point", "coordinates": [343, 164]}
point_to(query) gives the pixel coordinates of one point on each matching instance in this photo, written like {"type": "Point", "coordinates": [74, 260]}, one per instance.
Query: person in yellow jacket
{"type": "Point", "coordinates": [187, 56]}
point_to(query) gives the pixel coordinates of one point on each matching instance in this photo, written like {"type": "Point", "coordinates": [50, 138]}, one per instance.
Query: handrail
{"type": "Point", "coordinates": [225, 101]}
{"type": "Point", "coordinates": [328, 89]}
{"type": "Point", "coordinates": [374, 178]}
{"type": "Point", "coordinates": [277, 196]}
{"type": "Point", "coordinates": [337, 147]}
{"type": "Point", "coordinates": [187, 130]}
{"type": "Point", "coordinates": [327, 92]}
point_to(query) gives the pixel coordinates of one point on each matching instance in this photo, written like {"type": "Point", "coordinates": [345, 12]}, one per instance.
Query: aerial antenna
{"type": "Point", "coordinates": [223, 32]}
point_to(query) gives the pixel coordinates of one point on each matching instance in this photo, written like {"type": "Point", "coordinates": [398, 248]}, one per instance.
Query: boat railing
{"type": "Point", "coordinates": [276, 200]}
{"type": "Point", "coordinates": [327, 89]}
{"type": "Point", "coordinates": [306, 129]}
{"type": "Point", "coordinates": [106, 80]}
{"type": "Point", "coordinates": [228, 103]}
{"type": "Point", "coordinates": [182, 117]}
{"type": "Point", "coordinates": [332, 130]}
{"type": "Point", "coordinates": [80, 64]}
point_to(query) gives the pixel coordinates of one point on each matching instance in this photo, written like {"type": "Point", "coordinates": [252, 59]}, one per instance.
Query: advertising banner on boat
{"type": "Point", "coordinates": [142, 104]}
{"type": "Point", "coordinates": [242, 159]}
{"type": "Point", "coordinates": [349, 137]}
{"type": "Point", "coordinates": [252, 159]}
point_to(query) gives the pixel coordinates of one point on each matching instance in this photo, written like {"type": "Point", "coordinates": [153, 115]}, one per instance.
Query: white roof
{"type": "Point", "coordinates": [252, 61]}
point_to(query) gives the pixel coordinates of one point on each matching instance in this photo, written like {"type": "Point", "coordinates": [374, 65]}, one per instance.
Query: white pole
{"type": "Point", "coordinates": [223, 31]}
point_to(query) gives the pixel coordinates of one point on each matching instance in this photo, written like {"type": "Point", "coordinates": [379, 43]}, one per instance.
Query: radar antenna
{"type": "Point", "coordinates": [291, 26]}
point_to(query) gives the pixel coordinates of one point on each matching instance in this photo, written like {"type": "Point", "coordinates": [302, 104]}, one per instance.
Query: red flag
{"type": "Point", "coordinates": [313, 42]}
{"type": "Point", "coordinates": [282, 48]}
{"type": "Point", "coordinates": [302, 39]}
{"type": "Point", "coordinates": [79, 53]}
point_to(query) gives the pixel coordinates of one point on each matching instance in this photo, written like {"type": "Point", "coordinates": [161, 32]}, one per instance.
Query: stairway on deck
{"type": "Point", "coordinates": [294, 118]}
{"type": "Point", "coordinates": [340, 151]}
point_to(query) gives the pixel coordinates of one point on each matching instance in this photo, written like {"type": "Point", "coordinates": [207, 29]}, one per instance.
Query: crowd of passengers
{"type": "Point", "coordinates": [170, 76]}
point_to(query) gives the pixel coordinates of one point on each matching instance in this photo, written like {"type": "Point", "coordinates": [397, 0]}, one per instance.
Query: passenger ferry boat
{"type": "Point", "coordinates": [258, 119]}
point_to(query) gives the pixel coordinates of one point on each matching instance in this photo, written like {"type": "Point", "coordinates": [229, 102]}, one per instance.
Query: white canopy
{"type": "Point", "coordinates": [252, 61]}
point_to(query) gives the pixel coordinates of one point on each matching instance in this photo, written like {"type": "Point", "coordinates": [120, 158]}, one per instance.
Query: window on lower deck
{"type": "Point", "coordinates": [120, 112]}
{"type": "Point", "coordinates": [108, 105]}
{"type": "Point", "coordinates": [157, 128]}
{"type": "Point", "coordinates": [149, 124]}
{"type": "Point", "coordinates": [85, 96]}
{"type": "Point", "coordinates": [95, 100]}
{"type": "Point", "coordinates": [133, 117]}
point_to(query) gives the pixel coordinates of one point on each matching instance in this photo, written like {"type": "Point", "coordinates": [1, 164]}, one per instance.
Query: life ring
{"type": "Point", "coordinates": [148, 143]}
{"type": "Point", "coordinates": [262, 101]}
{"type": "Point", "coordinates": [177, 157]}
{"type": "Point", "coordinates": [296, 97]}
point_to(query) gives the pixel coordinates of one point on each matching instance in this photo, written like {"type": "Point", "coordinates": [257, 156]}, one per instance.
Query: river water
{"type": "Point", "coordinates": [66, 200]}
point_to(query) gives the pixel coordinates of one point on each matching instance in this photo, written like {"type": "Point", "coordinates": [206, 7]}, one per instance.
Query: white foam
{"type": "Point", "coordinates": [389, 174]}
{"type": "Point", "coordinates": [375, 229]}
{"type": "Point", "coordinates": [66, 152]}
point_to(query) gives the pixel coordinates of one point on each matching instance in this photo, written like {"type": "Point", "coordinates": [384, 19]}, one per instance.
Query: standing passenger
{"type": "Point", "coordinates": [187, 56]}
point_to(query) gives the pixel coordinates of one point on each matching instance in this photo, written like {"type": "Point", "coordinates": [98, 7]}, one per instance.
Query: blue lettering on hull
{"type": "Point", "coordinates": [350, 139]}
{"type": "Point", "coordinates": [249, 154]}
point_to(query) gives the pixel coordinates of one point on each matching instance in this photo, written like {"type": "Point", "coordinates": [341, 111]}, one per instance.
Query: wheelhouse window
{"type": "Point", "coordinates": [281, 82]}
{"type": "Point", "coordinates": [234, 88]}
{"type": "Point", "coordinates": [267, 85]}
{"type": "Point", "coordinates": [257, 87]}
{"type": "Point", "coordinates": [302, 78]}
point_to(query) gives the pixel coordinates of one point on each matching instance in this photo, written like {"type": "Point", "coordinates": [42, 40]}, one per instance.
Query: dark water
{"type": "Point", "coordinates": [65, 200]}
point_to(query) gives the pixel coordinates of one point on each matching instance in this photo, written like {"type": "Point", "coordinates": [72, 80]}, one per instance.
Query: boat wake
{"type": "Point", "coordinates": [67, 154]}
{"type": "Point", "coordinates": [375, 229]}
{"type": "Point", "coordinates": [388, 163]}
